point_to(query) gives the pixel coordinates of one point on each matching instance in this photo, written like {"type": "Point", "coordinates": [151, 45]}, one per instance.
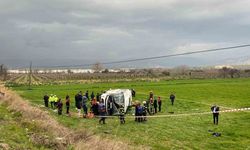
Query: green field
{"type": "Point", "coordinates": [171, 132]}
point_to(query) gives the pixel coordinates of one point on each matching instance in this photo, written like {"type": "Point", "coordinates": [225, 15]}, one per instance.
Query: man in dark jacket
{"type": "Point", "coordinates": [140, 113]}
{"type": "Point", "coordinates": [78, 102]}
{"type": "Point", "coordinates": [59, 106]}
{"type": "Point", "coordinates": [102, 112]}
{"type": "Point", "coordinates": [172, 98]}
{"type": "Point", "coordinates": [46, 100]}
{"type": "Point", "coordinates": [110, 106]}
{"type": "Point", "coordinates": [121, 115]}
{"type": "Point", "coordinates": [136, 112]}
{"type": "Point", "coordinates": [87, 94]}
{"type": "Point", "coordinates": [155, 106]}
{"type": "Point", "coordinates": [67, 102]}
{"type": "Point", "coordinates": [98, 97]}
{"type": "Point", "coordinates": [133, 92]}
{"type": "Point", "coordinates": [215, 109]}
{"type": "Point", "coordinates": [159, 103]}
{"type": "Point", "coordinates": [144, 113]}
{"type": "Point", "coordinates": [84, 106]}
{"type": "Point", "coordinates": [92, 95]}
{"type": "Point", "coordinates": [151, 95]}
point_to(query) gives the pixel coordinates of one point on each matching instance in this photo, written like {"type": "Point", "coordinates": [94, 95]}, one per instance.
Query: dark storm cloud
{"type": "Point", "coordinates": [66, 32]}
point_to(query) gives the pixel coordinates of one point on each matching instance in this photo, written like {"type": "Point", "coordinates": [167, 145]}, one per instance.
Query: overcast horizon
{"type": "Point", "coordinates": [77, 32]}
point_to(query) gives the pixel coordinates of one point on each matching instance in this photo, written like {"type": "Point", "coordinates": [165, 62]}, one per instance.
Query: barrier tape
{"type": "Point", "coordinates": [179, 115]}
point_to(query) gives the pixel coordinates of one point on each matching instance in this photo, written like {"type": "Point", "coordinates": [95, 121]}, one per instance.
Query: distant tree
{"type": "Point", "coordinates": [247, 71]}
{"type": "Point", "coordinates": [105, 71]}
{"type": "Point", "coordinates": [69, 71]}
{"type": "Point", "coordinates": [150, 72]}
{"type": "Point", "coordinates": [166, 73]}
{"type": "Point", "coordinates": [97, 67]}
{"type": "Point", "coordinates": [224, 71]}
{"type": "Point", "coordinates": [233, 72]}
{"type": "Point", "coordinates": [181, 70]}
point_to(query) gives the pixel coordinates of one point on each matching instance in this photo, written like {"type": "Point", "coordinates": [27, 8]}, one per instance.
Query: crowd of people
{"type": "Point", "coordinates": [151, 106]}
{"type": "Point", "coordinates": [97, 106]}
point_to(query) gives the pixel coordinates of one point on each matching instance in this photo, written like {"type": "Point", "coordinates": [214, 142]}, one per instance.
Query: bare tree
{"type": "Point", "coordinates": [180, 70]}
{"type": "Point", "coordinates": [233, 72]}
{"type": "Point", "coordinates": [224, 72]}
{"type": "Point", "coordinates": [69, 71]}
{"type": "Point", "coordinates": [105, 71]}
{"type": "Point", "coordinates": [97, 67]}
{"type": "Point", "coordinates": [166, 73]}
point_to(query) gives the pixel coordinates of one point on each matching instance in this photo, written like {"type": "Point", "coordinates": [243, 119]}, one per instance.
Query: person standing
{"type": "Point", "coordinates": [121, 115]}
{"type": "Point", "coordinates": [151, 95]}
{"type": "Point", "coordinates": [79, 107]}
{"type": "Point", "coordinates": [140, 113]}
{"type": "Point", "coordinates": [87, 94]}
{"type": "Point", "coordinates": [55, 100]}
{"type": "Point", "coordinates": [151, 104]}
{"type": "Point", "coordinates": [78, 99]}
{"type": "Point", "coordinates": [46, 100]}
{"type": "Point", "coordinates": [98, 97]}
{"type": "Point", "coordinates": [172, 98]}
{"type": "Point", "coordinates": [51, 100]}
{"type": "Point", "coordinates": [147, 106]}
{"type": "Point", "coordinates": [144, 113]}
{"type": "Point", "coordinates": [155, 106]}
{"type": "Point", "coordinates": [92, 95]}
{"type": "Point", "coordinates": [215, 110]}
{"type": "Point", "coordinates": [94, 106]}
{"type": "Point", "coordinates": [110, 106]}
{"type": "Point", "coordinates": [133, 92]}
{"type": "Point", "coordinates": [84, 106]}
{"type": "Point", "coordinates": [59, 106]}
{"type": "Point", "coordinates": [102, 112]}
{"type": "Point", "coordinates": [67, 104]}
{"type": "Point", "coordinates": [159, 103]}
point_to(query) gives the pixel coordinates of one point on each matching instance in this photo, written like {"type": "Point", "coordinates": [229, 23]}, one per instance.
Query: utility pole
{"type": "Point", "coordinates": [30, 74]}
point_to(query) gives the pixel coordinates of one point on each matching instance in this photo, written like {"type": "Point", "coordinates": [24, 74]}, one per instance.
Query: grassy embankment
{"type": "Point", "coordinates": [16, 133]}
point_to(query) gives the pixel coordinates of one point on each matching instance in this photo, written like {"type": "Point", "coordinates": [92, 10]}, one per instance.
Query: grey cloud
{"type": "Point", "coordinates": [87, 31]}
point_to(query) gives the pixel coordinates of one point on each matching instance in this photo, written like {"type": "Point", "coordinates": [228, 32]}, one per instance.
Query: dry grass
{"type": "Point", "coordinates": [63, 136]}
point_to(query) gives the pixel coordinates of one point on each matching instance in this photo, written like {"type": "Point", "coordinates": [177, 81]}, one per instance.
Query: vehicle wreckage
{"type": "Point", "coordinates": [116, 100]}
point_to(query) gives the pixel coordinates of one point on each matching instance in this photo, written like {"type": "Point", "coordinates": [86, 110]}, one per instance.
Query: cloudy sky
{"type": "Point", "coordinates": [74, 32]}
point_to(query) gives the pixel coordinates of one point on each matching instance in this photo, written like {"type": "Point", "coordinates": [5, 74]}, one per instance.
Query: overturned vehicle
{"type": "Point", "coordinates": [117, 101]}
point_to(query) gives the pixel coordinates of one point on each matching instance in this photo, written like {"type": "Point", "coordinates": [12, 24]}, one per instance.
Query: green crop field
{"type": "Point", "coordinates": [172, 131]}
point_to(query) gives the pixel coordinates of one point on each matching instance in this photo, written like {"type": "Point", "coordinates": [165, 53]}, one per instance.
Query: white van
{"type": "Point", "coordinates": [116, 99]}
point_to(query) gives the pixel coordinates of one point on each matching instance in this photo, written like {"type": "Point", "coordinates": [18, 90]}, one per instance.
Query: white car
{"type": "Point", "coordinates": [116, 99]}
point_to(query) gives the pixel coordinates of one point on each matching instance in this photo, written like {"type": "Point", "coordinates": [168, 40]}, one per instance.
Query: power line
{"type": "Point", "coordinates": [158, 57]}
